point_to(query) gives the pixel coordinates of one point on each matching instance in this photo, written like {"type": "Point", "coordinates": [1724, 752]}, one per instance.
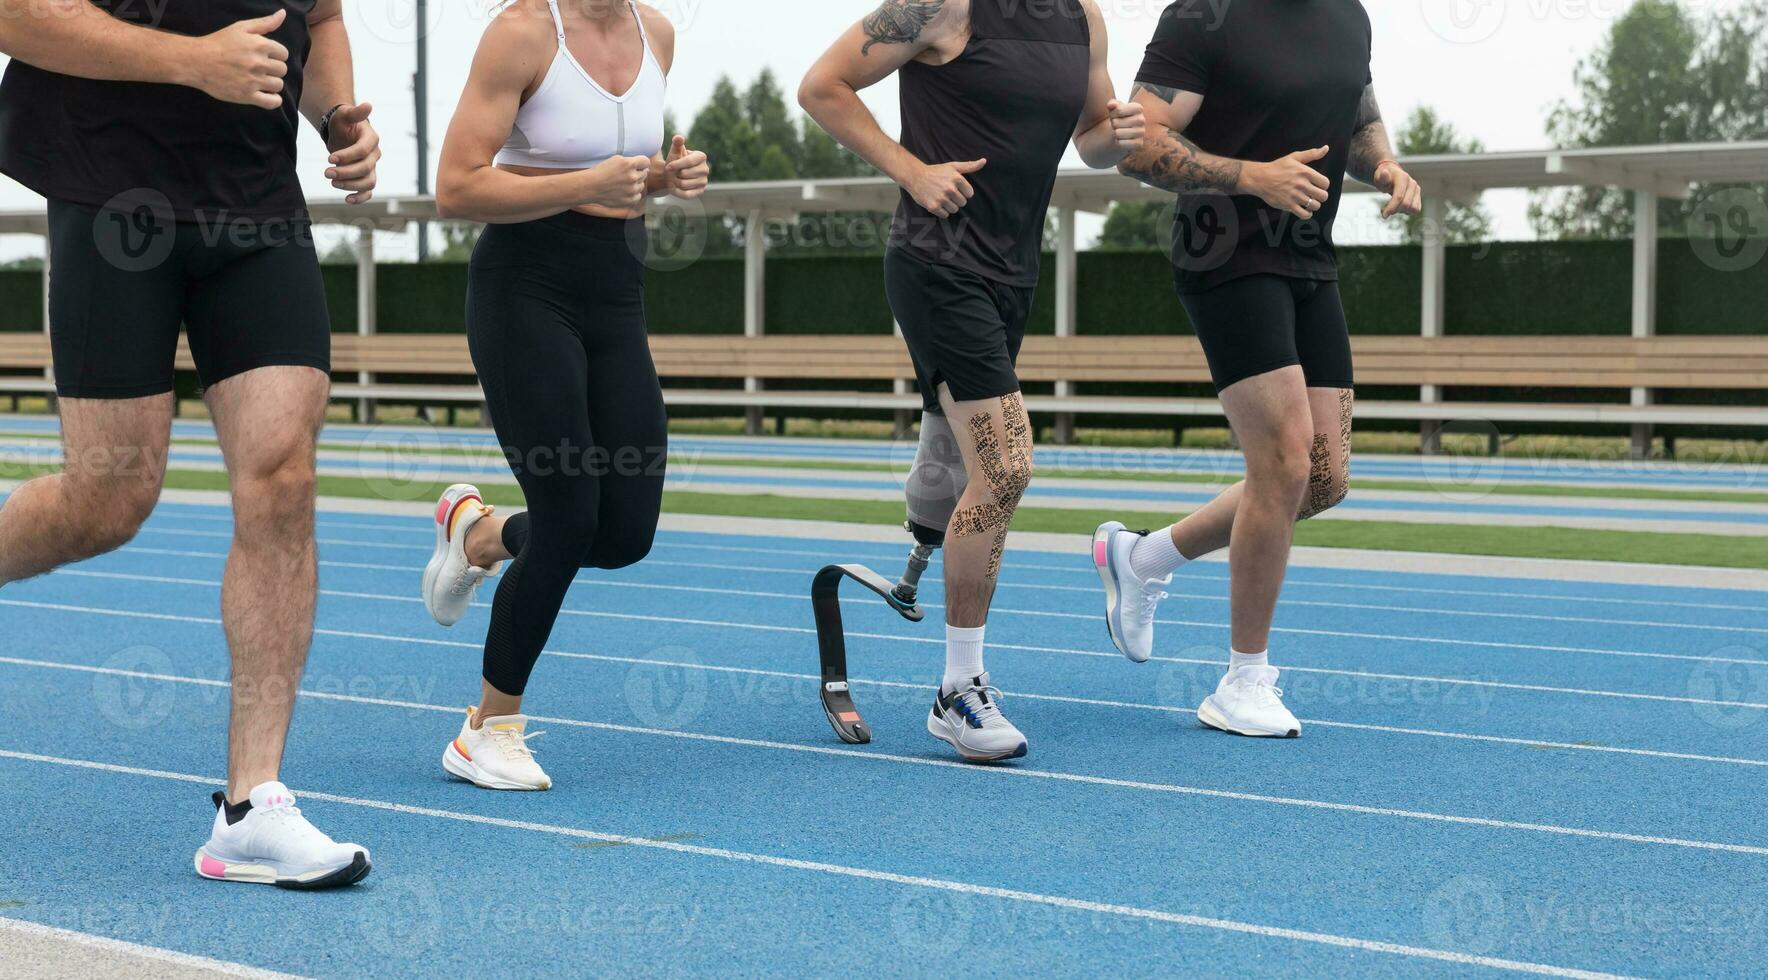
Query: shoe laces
{"type": "Point", "coordinates": [513, 744]}
{"type": "Point", "coordinates": [984, 704]}
{"type": "Point", "coordinates": [469, 580]}
{"type": "Point", "coordinates": [289, 818]}
{"type": "Point", "coordinates": [1153, 591]}
{"type": "Point", "coordinates": [1259, 686]}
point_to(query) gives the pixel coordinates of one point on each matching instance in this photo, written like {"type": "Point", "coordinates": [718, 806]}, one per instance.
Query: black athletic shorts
{"type": "Point", "coordinates": [962, 329]}
{"type": "Point", "coordinates": [121, 283]}
{"type": "Point", "coordinates": [1262, 323]}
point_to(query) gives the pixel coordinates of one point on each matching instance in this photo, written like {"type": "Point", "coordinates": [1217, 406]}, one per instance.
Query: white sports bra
{"type": "Point", "coordinates": [572, 123]}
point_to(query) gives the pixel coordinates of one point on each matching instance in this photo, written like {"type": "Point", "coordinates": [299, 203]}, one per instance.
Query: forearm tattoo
{"type": "Point", "coordinates": [1006, 475]}
{"type": "Point", "coordinates": [1176, 164]}
{"type": "Point", "coordinates": [1369, 143]}
{"type": "Point", "coordinates": [899, 22]}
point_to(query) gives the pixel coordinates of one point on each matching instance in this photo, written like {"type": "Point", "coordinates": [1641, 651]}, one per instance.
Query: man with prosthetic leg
{"type": "Point", "coordinates": [993, 92]}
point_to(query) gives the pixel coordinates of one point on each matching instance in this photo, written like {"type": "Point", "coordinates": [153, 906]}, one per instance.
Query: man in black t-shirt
{"type": "Point", "coordinates": [993, 94]}
{"type": "Point", "coordinates": [163, 136]}
{"type": "Point", "coordinates": [1256, 112]}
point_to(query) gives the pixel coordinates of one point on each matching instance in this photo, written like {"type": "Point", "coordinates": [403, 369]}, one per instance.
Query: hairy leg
{"type": "Point", "coordinates": [114, 460]}
{"type": "Point", "coordinates": [1270, 416]}
{"type": "Point", "coordinates": [994, 436]}
{"type": "Point", "coordinates": [268, 422]}
{"type": "Point", "coordinates": [1208, 529]}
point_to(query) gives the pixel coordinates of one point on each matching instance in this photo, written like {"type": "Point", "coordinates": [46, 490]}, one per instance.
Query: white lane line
{"type": "Point", "coordinates": [1026, 648]}
{"type": "Point", "coordinates": [913, 881]}
{"type": "Point", "coordinates": [1355, 726]}
{"type": "Point", "coordinates": [1045, 774]}
{"type": "Point", "coordinates": [1297, 630]}
{"type": "Point", "coordinates": [1082, 567]}
{"type": "Point", "coordinates": [118, 947]}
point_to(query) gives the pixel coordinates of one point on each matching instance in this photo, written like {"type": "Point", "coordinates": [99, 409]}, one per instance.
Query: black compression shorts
{"type": "Point", "coordinates": [249, 295]}
{"type": "Point", "coordinates": [1257, 324]}
{"type": "Point", "coordinates": [962, 329]}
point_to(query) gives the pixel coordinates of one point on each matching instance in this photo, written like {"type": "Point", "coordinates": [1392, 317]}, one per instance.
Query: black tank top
{"type": "Point", "coordinates": [134, 144]}
{"type": "Point", "coordinates": [1013, 97]}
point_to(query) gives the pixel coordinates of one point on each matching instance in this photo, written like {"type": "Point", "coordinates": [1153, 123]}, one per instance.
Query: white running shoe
{"type": "Point", "coordinates": [1249, 702]}
{"type": "Point", "coordinates": [970, 720]}
{"type": "Point", "coordinates": [496, 755]}
{"type": "Point", "coordinates": [449, 579]}
{"type": "Point", "coordinates": [273, 844]}
{"type": "Point", "coordinates": [1130, 601]}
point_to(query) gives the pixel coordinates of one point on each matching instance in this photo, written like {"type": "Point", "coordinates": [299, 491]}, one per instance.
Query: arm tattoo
{"type": "Point", "coordinates": [1175, 163]}
{"type": "Point", "coordinates": [899, 22]}
{"type": "Point", "coordinates": [1369, 144]}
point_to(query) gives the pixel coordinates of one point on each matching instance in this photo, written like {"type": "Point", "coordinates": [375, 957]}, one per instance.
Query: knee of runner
{"type": "Point", "coordinates": [277, 492]}
{"type": "Point", "coordinates": [114, 522]}
{"type": "Point", "coordinates": [624, 549]}
{"type": "Point", "coordinates": [1327, 488]}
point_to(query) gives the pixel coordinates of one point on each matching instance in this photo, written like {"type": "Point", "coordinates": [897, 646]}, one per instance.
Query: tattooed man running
{"type": "Point", "coordinates": [993, 91]}
{"type": "Point", "coordinates": [1256, 113]}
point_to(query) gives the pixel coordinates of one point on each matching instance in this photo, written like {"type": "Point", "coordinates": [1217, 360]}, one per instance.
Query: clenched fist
{"type": "Point", "coordinates": [240, 63]}
{"type": "Point", "coordinates": [1127, 123]}
{"type": "Point", "coordinates": [942, 188]}
{"type": "Point", "coordinates": [687, 172]}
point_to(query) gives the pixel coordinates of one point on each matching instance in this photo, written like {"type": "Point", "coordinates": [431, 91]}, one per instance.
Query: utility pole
{"type": "Point", "coordinates": [420, 84]}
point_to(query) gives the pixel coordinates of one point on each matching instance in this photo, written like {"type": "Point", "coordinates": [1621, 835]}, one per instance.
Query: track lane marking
{"type": "Point", "coordinates": [1005, 771]}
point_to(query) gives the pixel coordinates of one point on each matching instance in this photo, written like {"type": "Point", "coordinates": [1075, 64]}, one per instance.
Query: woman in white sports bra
{"type": "Point", "coordinates": [555, 147]}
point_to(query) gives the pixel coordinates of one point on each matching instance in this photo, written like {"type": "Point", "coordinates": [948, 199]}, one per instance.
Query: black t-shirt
{"type": "Point", "coordinates": [1276, 76]}
{"type": "Point", "coordinates": [1013, 98]}
{"type": "Point", "coordinates": [134, 144]}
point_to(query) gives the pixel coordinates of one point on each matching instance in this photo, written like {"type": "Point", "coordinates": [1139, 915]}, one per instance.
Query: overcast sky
{"type": "Point", "coordinates": [1492, 67]}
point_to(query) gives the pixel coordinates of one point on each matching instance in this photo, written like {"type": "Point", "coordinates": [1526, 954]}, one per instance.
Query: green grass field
{"type": "Point", "coordinates": [1507, 542]}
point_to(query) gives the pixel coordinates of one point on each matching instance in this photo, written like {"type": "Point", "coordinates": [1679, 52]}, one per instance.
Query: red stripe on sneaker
{"type": "Point", "coordinates": [454, 515]}
{"type": "Point", "coordinates": [462, 750]}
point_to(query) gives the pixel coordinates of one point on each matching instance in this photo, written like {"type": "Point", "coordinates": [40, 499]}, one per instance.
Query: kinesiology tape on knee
{"type": "Point", "coordinates": [937, 479]}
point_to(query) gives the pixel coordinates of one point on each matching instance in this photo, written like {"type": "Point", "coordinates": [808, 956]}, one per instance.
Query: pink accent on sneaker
{"type": "Point", "coordinates": [213, 868]}
{"type": "Point", "coordinates": [1099, 553]}
{"type": "Point", "coordinates": [442, 510]}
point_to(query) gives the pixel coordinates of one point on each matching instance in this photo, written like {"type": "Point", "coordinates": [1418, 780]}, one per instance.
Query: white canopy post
{"type": "Point", "coordinates": [1067, 305]}
{"type": "Point", "coordinates": [365, 310]}
{"type": "Point", "coordinates": [1432, 306]}
{"type": "Point", "coordinates": [1645, 298]}
{"type": "Point", "coordinates": [754, 301]}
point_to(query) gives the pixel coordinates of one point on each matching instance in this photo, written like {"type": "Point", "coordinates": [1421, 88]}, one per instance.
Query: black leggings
{"type": "Point", "coordinates": [556, 322]}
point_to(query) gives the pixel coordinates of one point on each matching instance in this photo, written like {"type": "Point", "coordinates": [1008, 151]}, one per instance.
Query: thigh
{"type": "Point", "coordinates": [630, 429]}
{"type": "Point", "coordinates": [115, 446]}
{"type": "Point", "coordinates": [1271, 415]}
{"type": "Point", "coordinates": [1323, 337]}
{"type": "Point", "coordinates": [256, 300]}
{"type": "Point", "coordinates": [1246, 326]}
{"type": "Point", "coordinates": [116, 295]}
{"type": "Point", "coordinates": [269, 418]}
{"type": "Point", "coordinates": [956, 330]}
{"type": "Point", "coordinates": [535, 373]}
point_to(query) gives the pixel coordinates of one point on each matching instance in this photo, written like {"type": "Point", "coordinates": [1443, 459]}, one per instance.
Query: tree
{"type": "Point", "coordinates": [1661, 76]}
{"type": "Point", "coordinates": [1135, 225]}
{"type": "Point", "coordinates": [1427, 134]}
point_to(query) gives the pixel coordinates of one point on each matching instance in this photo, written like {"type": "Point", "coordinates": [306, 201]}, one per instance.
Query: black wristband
{"type": "Point", "coordinates": [325, 123]}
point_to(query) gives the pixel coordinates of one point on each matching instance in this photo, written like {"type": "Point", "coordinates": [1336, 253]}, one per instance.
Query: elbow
{"type": "Point", "coordinates": [814, 93]}
{"type": "Point", "coordinates": [447, 202]}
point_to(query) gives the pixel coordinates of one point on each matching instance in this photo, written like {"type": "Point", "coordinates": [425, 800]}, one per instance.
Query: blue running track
{"type": "Point", "coordinates": [1495, 775]}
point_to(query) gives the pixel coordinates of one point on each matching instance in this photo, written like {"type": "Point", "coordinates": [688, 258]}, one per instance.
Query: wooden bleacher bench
{"type": "Point", "coordinates": [1606, 363]}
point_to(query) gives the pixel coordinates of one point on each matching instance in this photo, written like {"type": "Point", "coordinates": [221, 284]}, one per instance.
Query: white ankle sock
{"type": "Point", "coordinates": [1237, 660]}
{"type": "Point", "coordinates": [963, 655]}
{"type": "Point", "coordinates": [1155, 556]}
